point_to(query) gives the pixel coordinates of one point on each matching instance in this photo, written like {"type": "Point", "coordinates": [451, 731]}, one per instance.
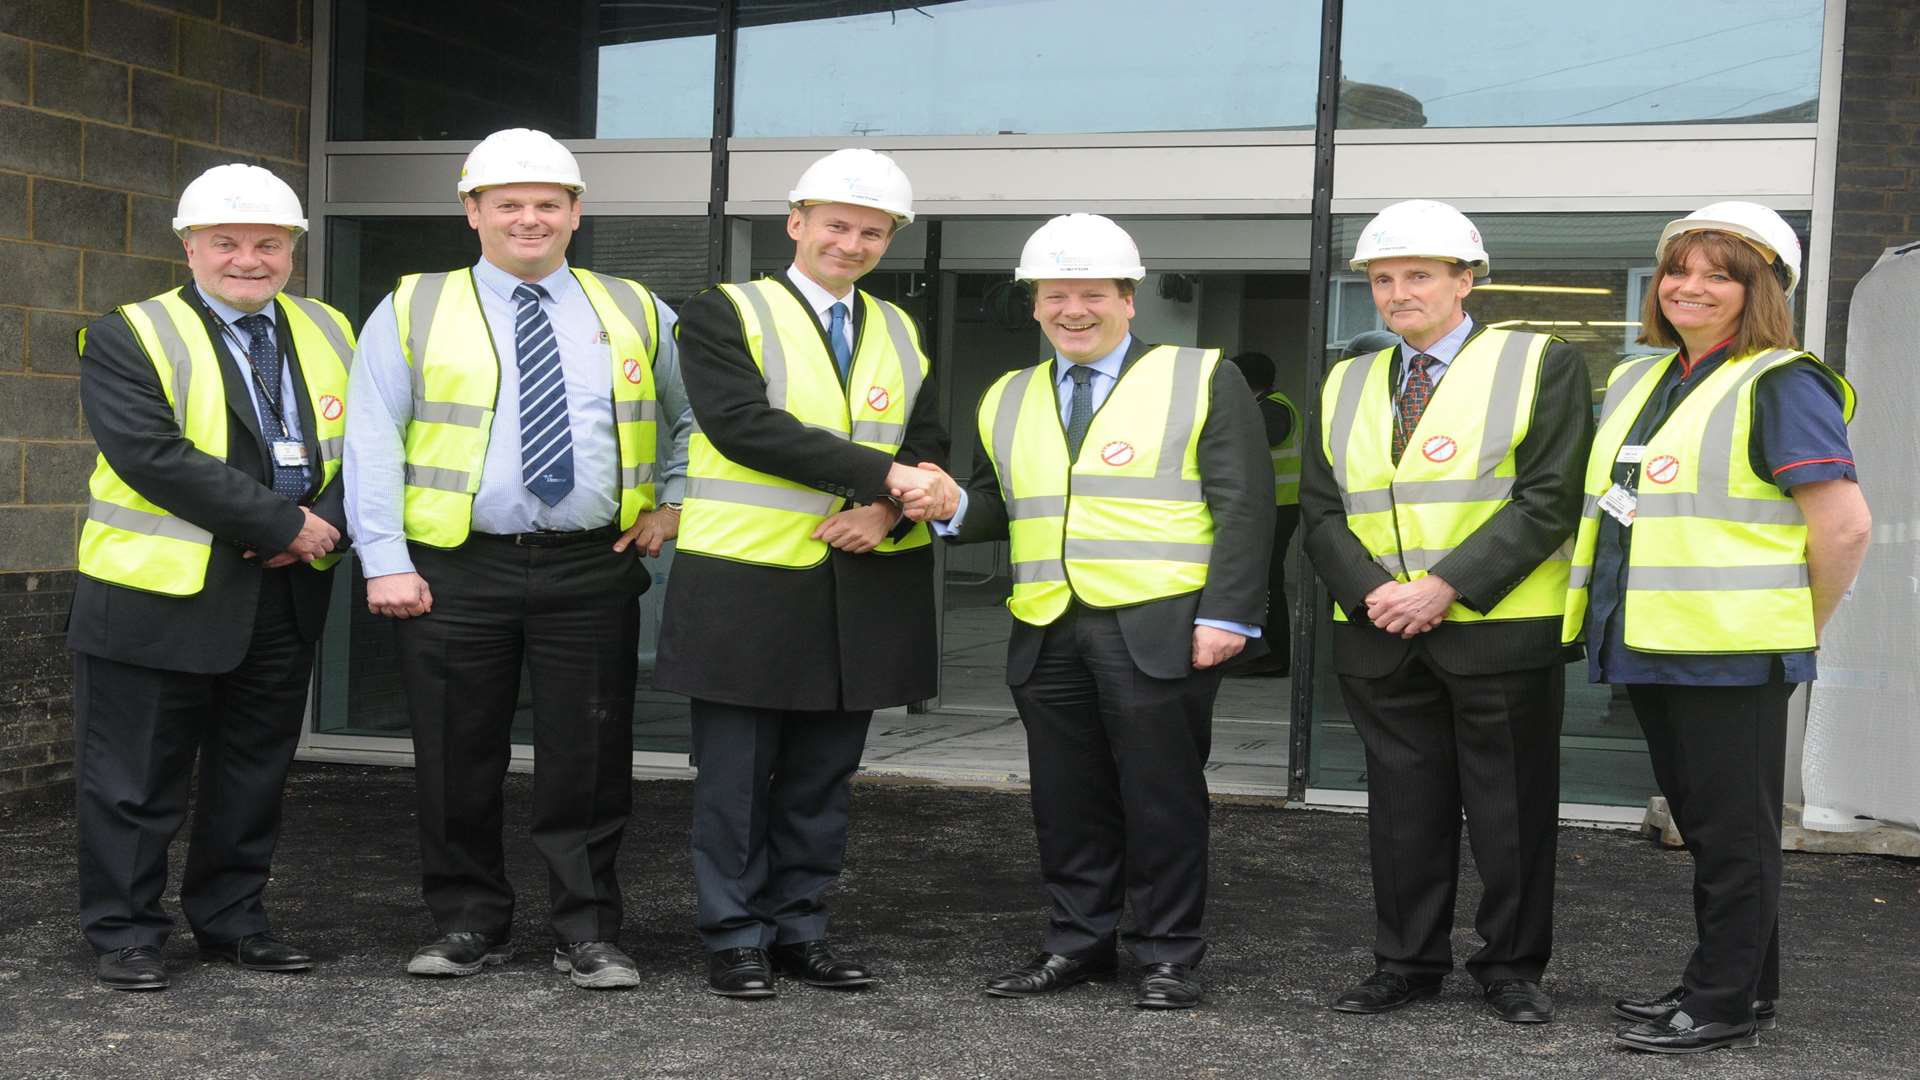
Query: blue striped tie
{"type": "Point", "coordinates": [546, 442]}
{"type": "Point", "coordinates": [837, 337]}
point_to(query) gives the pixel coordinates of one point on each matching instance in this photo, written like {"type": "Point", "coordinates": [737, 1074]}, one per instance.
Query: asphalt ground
{"type": "Point", "coordinates": [941, 891]}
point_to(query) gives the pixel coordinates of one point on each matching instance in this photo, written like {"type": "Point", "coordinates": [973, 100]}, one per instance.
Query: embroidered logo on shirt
{"type": "Point", "coordinates": [1439, 448]}
{"type": "Point", "coordinates": [331, 407]}
{"type": "Point", "coordinates": [1663, 469]}
{"type": "Point", "coordinates": [632, 370]}
{"type": "Point", "coordinates": [1116, 453]}
{"type": "Point", "coordinates": [878, 399]}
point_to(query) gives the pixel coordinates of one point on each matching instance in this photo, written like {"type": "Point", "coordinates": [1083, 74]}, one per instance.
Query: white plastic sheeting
{"type": "Point", "coordinates": [1862, 753]}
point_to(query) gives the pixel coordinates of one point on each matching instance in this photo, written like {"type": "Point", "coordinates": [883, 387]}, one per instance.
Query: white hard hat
{"type": "Point", "coordinates": [1762, 229]}
{"type": "Point", "coordinates": [1079, 246]}
{"type": "Point", "coordinates": [519, 156]}
{"type": "Point", "coordinates": [1421, 229]}
{"type": "Point", "coordinates": [860, 178]}
{"type": "Point", "coordinates": [238, 194]}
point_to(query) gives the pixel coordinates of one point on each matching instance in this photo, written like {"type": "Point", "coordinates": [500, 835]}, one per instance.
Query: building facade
{"type": "Point", "coordinates": [1244, 144]}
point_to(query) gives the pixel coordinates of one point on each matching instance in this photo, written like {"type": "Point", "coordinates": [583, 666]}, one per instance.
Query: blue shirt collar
{"type": "Point", "coordinates": [228, 313]}
{"type": "Point", "coordinates": [502, 283]}
{"type": "Point", "coordinates": [1108, 365]}
{"type": "Point", "coordinates": [1443, 350]}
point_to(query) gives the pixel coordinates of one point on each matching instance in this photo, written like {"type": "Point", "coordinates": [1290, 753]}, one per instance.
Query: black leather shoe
{"type": "Point", "coordinates": [1385, 991]}
{"type": "Point", "coordinates": [814, 963]}
{"type": "Point", "coordinates": [1680, 1034]}
{"type": "Point", "coordinates": [740, 973]}
{"type": "Point", "coordinates": [1048, 972]}
{"type": "Point", "coordinates": [1648, 1009]}
{"type": "Point", "coordinates": [596, 965]}
{"type": "Point", "coordinates": [1518, 1001]}
{"type": "Point", "coordinates": [137, 968]}
{"type": "Point", "coordinates": [1167, 986]}
{"type": "Point", "coordinates": [258, 952]}
{"type": "Point", "coordinates": [462, 952]}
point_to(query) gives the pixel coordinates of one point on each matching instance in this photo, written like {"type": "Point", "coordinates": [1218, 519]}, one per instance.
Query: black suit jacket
{"type": "Point", "coordinates": [1549, 465]}
{"type": "Point", "coordinates": [1236, 478]}
{"type": "Point", "coordinates": [857, 631]}
{"type": "Point", "coordinates": [135, 429]}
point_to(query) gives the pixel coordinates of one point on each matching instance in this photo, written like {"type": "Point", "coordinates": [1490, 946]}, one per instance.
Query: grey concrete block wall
{"type": "Point", "coordinates": [108, 108]}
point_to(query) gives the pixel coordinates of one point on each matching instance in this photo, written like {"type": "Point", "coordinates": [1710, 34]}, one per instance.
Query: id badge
{"type": "Point", "coordinates": [289, 453]}
{"type": "Point", "coordinates": [1619, 504]}
{"type": "Point", "coordinates": [1631, 455]}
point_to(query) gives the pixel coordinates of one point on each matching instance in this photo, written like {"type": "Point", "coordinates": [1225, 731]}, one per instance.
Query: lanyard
{"type": "Point", "coordinates": [279, 406]}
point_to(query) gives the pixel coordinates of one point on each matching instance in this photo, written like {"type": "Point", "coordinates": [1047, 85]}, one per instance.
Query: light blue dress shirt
{"type": "Point", "coordinates": [1106, 372]}
{"type": "Point", "coordinates": [380, 390]}
{"type": "Point", "coordinates": [237, 341]}
{"type": "Point", "coordinates": [1442, 351]}
{"type": "Point", "coordinates": [820, 300]}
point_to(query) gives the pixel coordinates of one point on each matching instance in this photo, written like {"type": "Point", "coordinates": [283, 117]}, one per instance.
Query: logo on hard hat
{"type": "Point", "coordinates": [1439, 448]}
{"type": "Point", "coordinates": [878, 399]}
{"type": "Point", "coordinates": [1664, 469]}
{"type": "Point", "coordinates": [1117, 453]}
{"type": "Point", "coordinates": [633, 371]}
{"type": "Point", "coordinates": [331, 407]}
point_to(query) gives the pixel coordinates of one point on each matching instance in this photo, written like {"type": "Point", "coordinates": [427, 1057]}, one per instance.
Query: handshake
{"type": "Point", "coordinates": [926, 492]}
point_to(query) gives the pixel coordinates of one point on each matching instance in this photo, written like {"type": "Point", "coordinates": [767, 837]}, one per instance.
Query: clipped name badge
{"type": "Point", "coordinates": [289, 454]}
{"type": "Point", "coordinates": [1631, 455]}
{"type": "Point", "coordinates": [1619, 503]}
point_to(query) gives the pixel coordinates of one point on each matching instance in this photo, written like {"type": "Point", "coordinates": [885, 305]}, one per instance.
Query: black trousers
{"type": "Point", "coordinates": [1438, 743]}
{"type": "Point", "coordinates": [1119, 791]}
{"type": "Point", "coordinates": [1719, 755]}
{"type": "Point", "coordinates": [570, 615]}
{"type": "Point", "coordinates": [769, 819]}
{"type": "Point", "coordinates": [1279, 628]}
{"type": "Point", "coordinates": [137, 732]}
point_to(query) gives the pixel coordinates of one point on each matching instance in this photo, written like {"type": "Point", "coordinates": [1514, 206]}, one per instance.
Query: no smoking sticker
{"type": "Point", "coordinates": [878, 399]}
{"type": "Point", "coordinates": [331, 407]}
{"type": "Point", "coordinates": [1439, 448]}
{"type": "Point", "coordinates": [1663, 469]}
{"type": "Point", "coordinates": [631, 369]}
{"type": "Point", "coordinates": [1116, 453]}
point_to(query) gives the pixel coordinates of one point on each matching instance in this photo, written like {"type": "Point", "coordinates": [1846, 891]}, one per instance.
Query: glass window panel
{"type": "Point", "coordinates": [359, 691]}
{"type": "Point", "coordinates": [1410, 64]}
{"type": "Point", "coordinates": [1581, 277]}
{"type": "Point", "coordinates": [985, 67]}
{"type": "Point", "coordinates": [416, 69]}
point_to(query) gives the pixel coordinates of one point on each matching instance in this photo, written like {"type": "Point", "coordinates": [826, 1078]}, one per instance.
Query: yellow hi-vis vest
{"type": "Point", "coordinates": [1458, 468]}
{"type": "Point", "coordinates": [1124, 523]}
{"type": "Point", "coordinates": [1718, 562]}
{"type": "Point", "coordinates": [1286, 456]}
{"type": "Point", "coordinates": [456, 382]}
{"type": "Point", "coordinates": [130, 541]}
{"type": "Point", "coordinates": [733, 512]}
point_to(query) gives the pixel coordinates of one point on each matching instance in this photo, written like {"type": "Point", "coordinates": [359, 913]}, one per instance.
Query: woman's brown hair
{"type": "Point", "coordinates": [1765, 323]}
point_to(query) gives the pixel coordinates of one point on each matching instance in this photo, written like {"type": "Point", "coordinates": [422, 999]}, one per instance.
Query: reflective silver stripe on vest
{"type": "Point", "coordinates": [1661, 504]}
{"type": "Point", "coordinates": [1164, 550]}
{"type": "Point", "coordinates": [1716, 469]}
{"type": "Point", "coordinates": [744, 493]}
{"type": "Point", "coordinates": [1346, 410]}
{"type": "Point", "coordinates": [330, 449]}
{"type": "Point", "coordinates": [1503, 406]}
{"type": "Point", "coordinates": [1624, 383]}
{"type": "Point", "coordinates": [876, 431]}
{"type": "Point", "coordinates": [627, 412]}
{"type": "Point", "coordinates": [426, 300]}
{"type": "Point", "coordinates": [177, 353]}
{"type": "Point", "coordinates": [1716, 578]}
{"type": "Point", "coordinates": [1425, 559]}
{"type": "Point", "coordinates": [903, 348]}
{"type": "Point", "coordinates": [1165, 489]}
{"type": "Point", "coordinates": [1006, 418]}
{"type": "Point", "coordinates": [1182, 407]}
{"type": "Point", "coordinates": [1039, 571]}
{"type": "Point", "coordinates": [127, 519]}
{"type": "Point", "coordinates": [328, 328]}
{"type": "Point", "coordinates": [773, 355]}
{"type": "Point", "coordinates": [1579, 576]}
{"type": "Point", "coordinates": [1036, 506]}
{"type": "Point", "coordinates": [632, 476]}
{"type": "Point", "coordinates": [628, 302]}
{"type": "Point", "coordinates": [438, 479]}
{"type": "Point", "coordinates": [449, 412]}
{"type": "Point", "coordinates": [1415, 492]}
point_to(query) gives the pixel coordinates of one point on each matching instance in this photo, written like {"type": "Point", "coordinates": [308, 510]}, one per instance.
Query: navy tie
{"type": "Point", "coordinates": [546, 440]}
{"type": "Point", "coordinates": [1079, 408]}
{"type": "Point", "coordinates": [289, 481]}
{"type": "Point", "coordinates": [837, 337]}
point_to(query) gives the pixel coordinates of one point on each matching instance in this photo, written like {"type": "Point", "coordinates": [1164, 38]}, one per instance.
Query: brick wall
{"type": "Point", "coordinates": [1876, 201]}
{"type": "Point", "coordinates": [107, 109]}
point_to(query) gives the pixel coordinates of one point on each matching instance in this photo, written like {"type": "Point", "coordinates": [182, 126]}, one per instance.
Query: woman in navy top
{"type": "Point", "coordinates": [1714, 708]}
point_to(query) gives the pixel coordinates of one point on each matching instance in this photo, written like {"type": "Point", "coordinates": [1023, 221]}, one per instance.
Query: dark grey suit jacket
{"type": "Point", "coordinates": [1549, 464]}
{"type": "Point", "coordinates": [128, 415]}
{"type": "Point", "coordinates": [1236, 481]}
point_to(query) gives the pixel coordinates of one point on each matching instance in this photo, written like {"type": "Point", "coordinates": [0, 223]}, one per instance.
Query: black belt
{"type": "Point", "coordinates": [553, 539]}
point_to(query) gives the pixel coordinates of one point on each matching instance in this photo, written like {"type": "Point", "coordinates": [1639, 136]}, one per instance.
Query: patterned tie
{"type": "Point", "coordinates": [837, 337]}
{"type": "Point", "coordinates": [289, 481]}
{"type": "Point", "coordinates": [1079, 408]}
{"type": "Point", "coordinates": [1413, 402]}
{"type": "Point", "coordinates": [546, 441]}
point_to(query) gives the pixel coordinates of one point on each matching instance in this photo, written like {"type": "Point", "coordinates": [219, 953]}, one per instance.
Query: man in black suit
{"type": "Point", "coordinates": [1134, 483]}
{"type": "Point", "coordinates": [1440, 487]}
{"type": "Point", "coordinates": [205, 568]}
{"type": "Point", "coordinates": [801, 600]}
